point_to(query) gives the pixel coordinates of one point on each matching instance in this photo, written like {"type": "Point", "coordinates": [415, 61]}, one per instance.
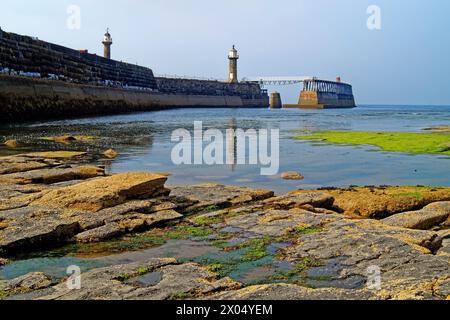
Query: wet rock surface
{"type": "Point", "coordinates": [215, 196]}
{"type": "Point", "coordinates": [218, 242]}
{"type": "Point", "coordinates": [168, 280]}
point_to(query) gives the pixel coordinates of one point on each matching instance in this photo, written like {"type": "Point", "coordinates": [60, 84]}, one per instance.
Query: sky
{"type": "Point", "coordinates": [406, 61]}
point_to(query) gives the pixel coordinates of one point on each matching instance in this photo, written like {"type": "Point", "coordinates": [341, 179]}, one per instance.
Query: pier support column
{"type": "Point", "coordinates": [275, 101]}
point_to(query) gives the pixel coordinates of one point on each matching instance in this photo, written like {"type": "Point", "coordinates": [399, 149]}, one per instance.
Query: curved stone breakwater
{"type": "Point", "coordinates": [29, 99]}
{"type": "Point", "coordinates": [54, 198]}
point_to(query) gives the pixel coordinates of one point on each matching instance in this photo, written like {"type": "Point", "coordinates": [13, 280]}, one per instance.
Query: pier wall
{"type": "Point", "coordinates": [250, 92]}
{"type": "Point", "coordinates": [195, 87]}
{"type": "Point", "coordinates": [324, 100]}
{"type": "Point", "coordinates": [47, 60]}
{"type": "Point", "coordinates": [27, 99]}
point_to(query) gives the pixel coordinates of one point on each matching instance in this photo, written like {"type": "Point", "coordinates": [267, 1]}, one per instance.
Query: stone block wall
{"type": "Point", "coordinates": [245, 90]}
{"type": "Point", "coordinates": [29, 55]}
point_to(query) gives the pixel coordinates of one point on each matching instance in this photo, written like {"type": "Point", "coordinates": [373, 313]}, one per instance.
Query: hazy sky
{"type": "Point", "coordinates": [406, 62]}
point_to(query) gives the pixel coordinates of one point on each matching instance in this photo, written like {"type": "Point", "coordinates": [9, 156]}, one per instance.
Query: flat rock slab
{"type": "Point", "coordinates": [56, 154]}
{"type": "Point", "coordinates": [26, 283]}
{"type": "Point", "coordinates": [128, 282]}
{"type": "Point", "coordinates": [8, 191]}
{"type": "Point", "coordinates": [102, 193]}
{"type": "Point", "coordinates": [54, 175]}
{"type": "Point", "coordinates": [298, 199]}
{"type": "Point", "coordinates": [407, 266]}
{"type": "Point", "coordinates": [283, 291]}
{"type": "Point", "coordinates": [55, 205]}
{"type": "Point", "coordinates": [34, 227]}
{"type": "Point", "coordinates": [382, 202]}
{"type": "Point", "coordinates": [353, 246]}
{"type": "Point", "coordinates": [19, 164]}
{"type": "Point", "coordinates": [430, 216]}
{"type": "Point", "coordinates": [216, 196]}
{"type": "Point", "coordinates": [123, 224]}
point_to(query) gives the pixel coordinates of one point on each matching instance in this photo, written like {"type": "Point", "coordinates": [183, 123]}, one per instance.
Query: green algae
{"type": "Point", "coordinates": [123, 277]}
{"type": "Point", "coordinates": [255, 249]}
{"type": "Point", "coordinates": [298, 272]}
{"type": "Point", "coordinates": [240, 262]}
{"type": "Point", "coordinates": [187, 232]}
{"type": "Point", "coordinates": [3, 294]}
{"type": "Point", "coordinates": [406, 142]}
{"type": "Point", "coordinates": [211, 208]}
{"type": "Point", "coordinates": [128, 243]}
{"type": "Point", "coordinates": [143, 271]}
{"type": "Point", "coordinates": [132, 242]}
{"type": "Point", "coordinates": [181, 296]}
{"type": "Point", "coordinates": [215, 267]}
{"type": "Point", "coordinates": [206, 221]}
{"type": "Point", "coordinates": [7, 293]}
{"type": "Point", "coordinates": [308, 230]}
{"type": "Point", "coordinates": [415, 195]}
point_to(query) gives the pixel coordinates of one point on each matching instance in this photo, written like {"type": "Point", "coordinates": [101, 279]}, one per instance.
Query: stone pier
{"type": "Point", "coordinates": [321, 94]}
{"type": "Point", "coordinates": [275, 101]}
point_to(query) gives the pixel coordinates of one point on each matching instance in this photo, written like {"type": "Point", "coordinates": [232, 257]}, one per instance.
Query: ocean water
{"type": "Point", "coordinates": [144, 143]}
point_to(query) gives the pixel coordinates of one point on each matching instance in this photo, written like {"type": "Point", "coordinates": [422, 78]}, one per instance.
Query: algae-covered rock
{"type": "Point", "coordinates": [126, 224]}
{"type": "Point", "coordinates": [29, 282]}
{"type": "Point", "coordinates": [382, 202]}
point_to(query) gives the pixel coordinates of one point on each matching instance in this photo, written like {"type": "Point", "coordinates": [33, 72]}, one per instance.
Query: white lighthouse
{"type": "Point", "coordinates": [233, 57]}
{"type": "Point", "coordinates": [107, 42]}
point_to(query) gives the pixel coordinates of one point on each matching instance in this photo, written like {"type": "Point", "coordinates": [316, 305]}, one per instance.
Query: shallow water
{"type": "Point", "coordinates": [144, 143]}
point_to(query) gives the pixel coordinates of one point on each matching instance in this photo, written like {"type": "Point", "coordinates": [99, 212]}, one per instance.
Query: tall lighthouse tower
{"type": "Point", "coordinates": [107, 42]}
{"type": "Point", "coordinates": [232, 70]}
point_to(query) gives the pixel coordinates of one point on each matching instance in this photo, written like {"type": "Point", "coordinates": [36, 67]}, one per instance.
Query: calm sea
{"type": "Point", "coordinates": [144, 143]}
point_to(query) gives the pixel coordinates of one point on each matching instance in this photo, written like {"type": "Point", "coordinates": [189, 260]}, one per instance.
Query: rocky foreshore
{"type": "Point", "coordinates": [307, 244]}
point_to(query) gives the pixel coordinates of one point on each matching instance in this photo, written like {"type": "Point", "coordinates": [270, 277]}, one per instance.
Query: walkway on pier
{"type": "Point", "coordinates": [309, 83]}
